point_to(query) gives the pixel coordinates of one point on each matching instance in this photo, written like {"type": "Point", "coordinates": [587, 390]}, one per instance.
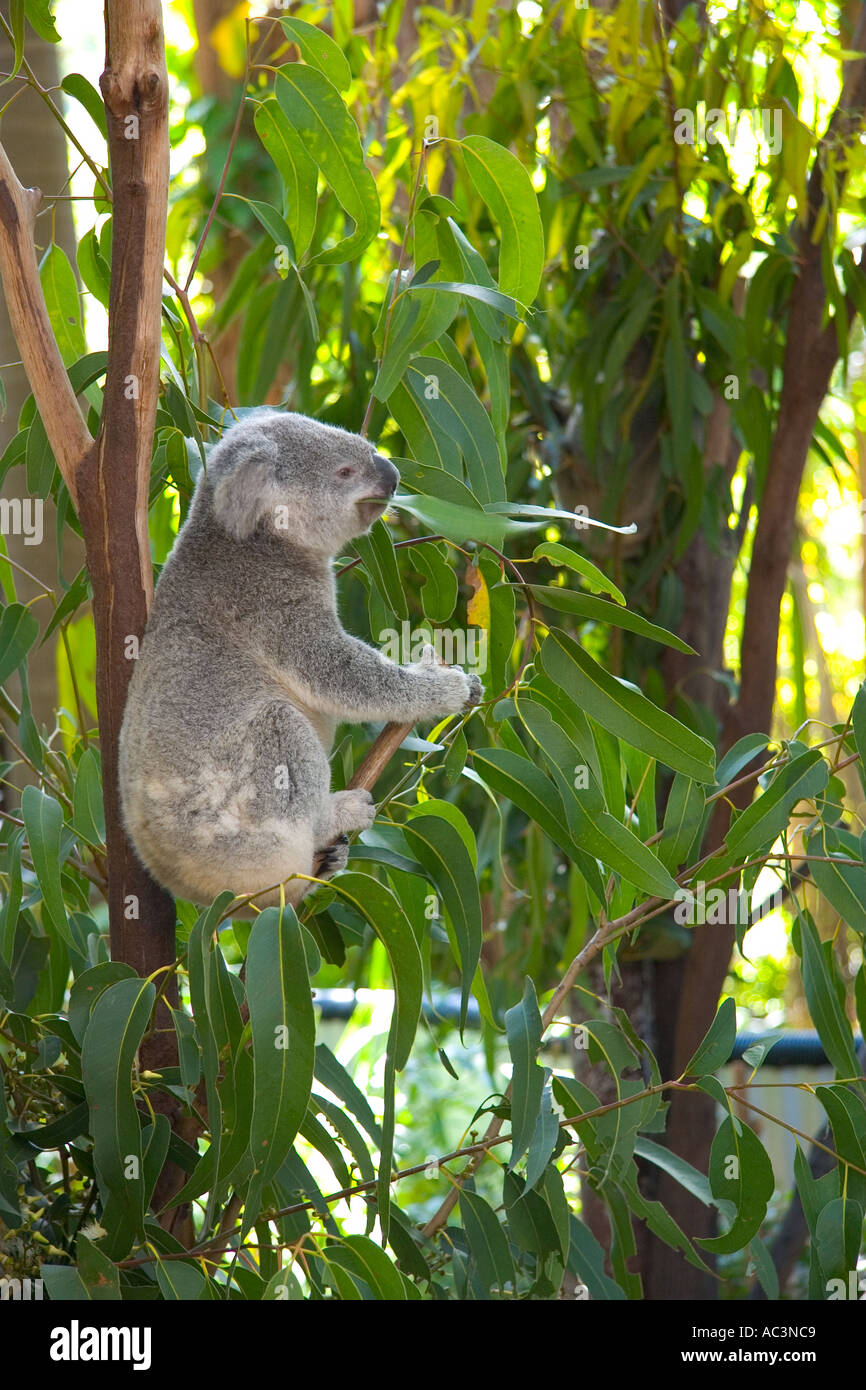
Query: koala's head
{"type": "Point", "coordinates": [291, 476]}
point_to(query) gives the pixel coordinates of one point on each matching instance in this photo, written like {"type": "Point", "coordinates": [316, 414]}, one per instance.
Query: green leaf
{"type": "Point", "coordinates": [63, 303]}
{"type": "Point", "coordinates": [740, 1172]}
{"type": "Point", "coordinates": [825, 1008]}
{"type": "Point", "coordinates": [88, 813]}
{"type": "Point", "coordinates": [600, 611]}
{"type": "Point", "coordinates": [684, 814]}
{"type": "Point", "coordinates": [41, 20]}
{"type": "Point", "coordinates": [39, 460]}
{"type": "Point", "coordinates": [93, 268]}
{"type": "Point", "coordinates": [276, 226]}
{"type": "Point", "coordinates": [458, 523]}
{"type": "Point", "coordinates": [179, 1281]}
{"type": "Point", "coordinates": [376, 550]}
{"type": "Point", "coordinates": [415, 324]}
{"type": "Point", "coordinates": [562, 555]}
{"type": "Point", "coordinates": [544, 1141]}
{"type": "Point", "coordinates": [440, 848]}
{"type": "Point", "coordinates": [78, 87]}
{"type": "Point", "coordinates": [847, 1114]}
{"type": "Point", "coordinates": [625, 712]}
{"type": "Point", "coordinates": [768, 815]}
{"type": "Point", "coordinates": [113, 1035]}
{"type": "Point", "coordinates": [764, 1267]}
{"type": "Point", "coordinates": [439, 589]}
{"type": "Point", "coordinates": [283, 1028]}
{"type": "Point", "coordinates": [319, 117]}
{"type": "Point", "coordinates": [586, 1256]}
{"type": "Point", "coordinates": [843, 884]}
{"type": "Point", "coordinates": [87, 988]}
{"type": "Point", "coordinates": [530, 1219]}
{"type": "Point", "coordinates": [330, 1073]}
{"type": "Point", "coordinates": [717, 1046]}
{"type": "Point", "coordinates": [426, 444]}
{"type": "Point", "coordinates": [16, 23]}
{"type": "Point", "coordinates": [743, 752]}
{"type": "Point", "coordinates": [18, 631]}
{"type": "Point", "coordinates": [858, 728]}
{"type": "Point", "coordinates": [64, 1284]}
{"type": "Point", "coordinates": [43, 819]}
{"type": "Point", "coordinates": [523, 1034]}
{"type": "Point", "coordinates": [487, 1243]}
{"type": "Point", "coordinates": [659, 1220]}
{"type": "Point", "coordinates": [362, 1257]}
{"type": "Point", "coordinates": [296, 170]}
{"type": "Point", "coordinates": [684, 1173]}
{"type": "Point", "coordinates": [382, 910]}
{"type": "Point", "coordinates": [592, 827]}
{"type": "Point", "coordinates": [502, 302]}
{"type": "Point", "coordinates": [838, 1234]}
{"type": "Point", "coordinates": [99, 1275]}
{"type": "Point", "coordinates": [526, 785]}
{"type": "Point", "coordinates": [506, 187]}
{"type": "Point", "coordinates": [319, 50]}
{"type": "Point", "coordinates": [452, 407]}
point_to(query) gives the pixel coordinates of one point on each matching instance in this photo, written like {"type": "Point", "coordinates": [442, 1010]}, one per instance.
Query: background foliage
{"type": "Point", "coordinates": [486, 246]}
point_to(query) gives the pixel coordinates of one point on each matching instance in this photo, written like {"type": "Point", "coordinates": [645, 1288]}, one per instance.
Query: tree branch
{"type": "Point", "coordinates": [60, 412]}
{"type": "Point", "coordinates": [811, 352]}
{"type": "Point", "coordinates": [114, 480]}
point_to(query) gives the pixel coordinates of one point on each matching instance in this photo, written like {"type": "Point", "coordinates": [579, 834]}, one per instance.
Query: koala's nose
{"type": "Point", "coordinates": [388, 475]}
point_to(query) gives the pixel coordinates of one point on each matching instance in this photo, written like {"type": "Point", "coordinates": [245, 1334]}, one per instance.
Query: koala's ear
{"type": "Point", "coordinates": [244, 494]}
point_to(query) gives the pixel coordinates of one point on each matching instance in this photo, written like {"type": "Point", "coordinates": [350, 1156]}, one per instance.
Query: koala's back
{"type": "Point", "coordinates": [216, 764]}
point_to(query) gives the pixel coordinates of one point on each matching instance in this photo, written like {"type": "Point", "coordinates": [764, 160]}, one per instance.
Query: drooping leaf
{"type": "Point", "coordinates": [769, 813]}
{"type": "Point", "coordinates": [111, 1041]}
{"type": "Point", "coordinates": [740, 1172]}
{"type": "Point", "coordinates": [441, 849]}
{"type": "Point", "coordinates": [319, 49]}
{"type": "Point", "coordinates": [296, 168]}
{"type": "Point", "coordinates": [283, 1032]}
{"type": "Point", "coordinates": [43, 818]}
{"type": "Point", "coordinates": [505, 186]}
{"type": "Point", "coordinates": [18, 631]}
{"type": "Point", "coordinates": [318, 115]}
{"type": "Point", "coordinates": [717, 1046]}
{"type": "Point", "coordinates": [623, 711]}
{"type": "Point", "coordinates": [523, 1035]}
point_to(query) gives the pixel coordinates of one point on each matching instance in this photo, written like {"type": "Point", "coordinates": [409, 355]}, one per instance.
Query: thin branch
{"type": "Point", "coordinates": [56, 402]}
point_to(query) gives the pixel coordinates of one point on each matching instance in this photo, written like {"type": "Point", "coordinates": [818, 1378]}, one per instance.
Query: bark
{"type": "Point", "coordinates": [115, 477]}
{"type": "Point", "coordinates": [64, 423]}
{"type": "Point", "coordinates": [36, 147]}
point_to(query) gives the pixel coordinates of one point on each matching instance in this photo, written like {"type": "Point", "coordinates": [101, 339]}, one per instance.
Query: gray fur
{"type": "Point", "coordinates": [245, 671]}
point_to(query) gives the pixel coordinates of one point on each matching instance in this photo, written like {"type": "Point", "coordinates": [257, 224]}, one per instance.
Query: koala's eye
{"type": "Point", "coordinates": [346, 471]}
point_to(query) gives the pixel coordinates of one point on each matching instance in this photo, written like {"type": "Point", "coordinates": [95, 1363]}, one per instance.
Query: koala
{"type": "Point", "coordinates": [245, 670]}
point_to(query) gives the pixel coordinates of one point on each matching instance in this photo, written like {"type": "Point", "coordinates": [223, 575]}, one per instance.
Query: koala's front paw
{"type": "Point", "coordinates": [352, 810]}
{"type": "Point", "coordinates": [460, 690]}
{"type": "Point", "coordinates": [476, 690]}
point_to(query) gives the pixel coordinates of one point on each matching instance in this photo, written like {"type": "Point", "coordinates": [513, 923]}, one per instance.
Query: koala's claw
{"type": "Point", "coordinates": [333, 858]}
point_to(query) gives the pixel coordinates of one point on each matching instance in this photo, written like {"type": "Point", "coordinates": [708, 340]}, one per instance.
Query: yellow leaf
{"type": "Point", "coordinates": [478, 608]}
{"type": "Point", "coordinates": [228, 40]}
